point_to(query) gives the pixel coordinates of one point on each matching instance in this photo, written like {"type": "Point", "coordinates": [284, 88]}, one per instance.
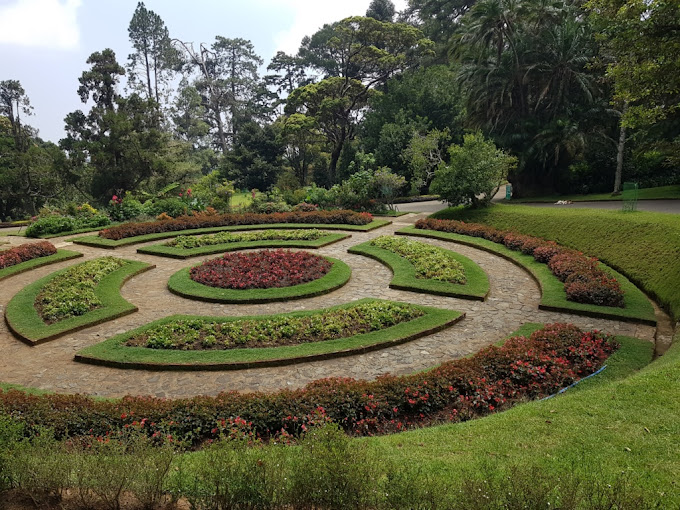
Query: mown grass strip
{"type": "Point", "coordinates": [181, 284]}
{"type": "Point", "coordinates": [23, 319]}
{"type": "Point", "coordinates": [642, 245]}
{"type": "Point", "coordinates": [163, 250]}
{"type": "Point", "coordinates": [113, 352]}
{"type": "Point", "coordinates": [477, 286]}
{"type": "Point", "coordinates": [60, 256]}
{"type": "Point", "coordinates": [100, 242]}
{"type": "Point", "coordinates": [553, 297]}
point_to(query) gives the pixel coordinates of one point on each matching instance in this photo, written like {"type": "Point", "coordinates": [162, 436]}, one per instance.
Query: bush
{"type": "Point", "coordinates": [204, 220]}
{"type": "Point", "coordinates": [26, 252]}
{"type": "Point", "coordinates": [173, 207]}
{"type": "Point", "coordinates": [588, 284]}
{"type": "Point", "coordinates": [58, 224]}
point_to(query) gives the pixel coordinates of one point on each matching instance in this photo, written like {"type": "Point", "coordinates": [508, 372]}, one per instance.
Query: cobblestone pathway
{"type": "Point", "coordinates": [513, 301]}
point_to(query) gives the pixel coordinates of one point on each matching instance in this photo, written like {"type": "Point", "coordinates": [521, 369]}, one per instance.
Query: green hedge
{"type": "Point", "coordinates": [24, 321]}
{"type": "Point", "coordinates": [477, 286]}
{"type": "Point", "coordinates": [642, 245]}
{"type": "Point", "coordinates": [181, 284]}
{"type": "Point", "coordinates": [113, 352]}
{"type": "Point", "coordinates": [637, 307]}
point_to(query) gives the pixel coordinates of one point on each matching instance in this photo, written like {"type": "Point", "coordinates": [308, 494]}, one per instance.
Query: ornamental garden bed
{"type": "Point", "coordinates": [100, 242]}
{"type": "Point", "coordinates": [260, 277]}
{"type": "Point", "coordinates": [494, 379]}
{"type": "Point", "coordinates": [230, 343]}
{"type": "Point", "coordinates": [420, 267]}
{"type": "Point", "coordinates": [637, 308]}
{"type": "Point", "coordinates": [184, 247]}
{"type": "Point", "coordinates": [28, 256]}
{"type": "Point", "coordinates": [71, 299]}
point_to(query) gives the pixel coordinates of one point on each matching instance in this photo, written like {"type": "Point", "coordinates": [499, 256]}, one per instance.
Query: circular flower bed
{"type": "Point", "coordinates": [263, 269]}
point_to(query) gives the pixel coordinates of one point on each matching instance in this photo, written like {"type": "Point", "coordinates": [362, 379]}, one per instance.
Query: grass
{"type": "Point", "coordinates": [112, 352]}
{"type": "Point", "coordinates": [60, 256]}
{"type": "Point", "coordinates": [393, 214]}
{"type": "Point", "coordinates": [553, 297]}
{"type": "Point", "coordinates": [180, 253]}
{"type": "Point", "coordinates": [181, 284]}
{"type": "Point", "coordinates": [644, 246]}
{"type": "Point", "coordinates": [24, 321]}
{"type": "Point", "coordinates": [477, 286]}
{"type": "Point", "coordinates": [100, 242]}
{"type": "Point", "coordinates": [658, 193]}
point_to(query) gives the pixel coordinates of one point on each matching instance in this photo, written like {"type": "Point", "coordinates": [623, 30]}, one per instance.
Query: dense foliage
{"type": "Point", "coordinates": [584, 281]}
{"type": "Point", "coordinates": [430, 262]}
{"type": "Point", "coordinates": [188, 242]}
{"type": "Point", "coordinates": [215, 220]}
{"type": "Point", "coordinates": [73, 292]}
{"type": "Point", "coordinates": [271, 332]}
{"type": "Point", "coordinates": [25, 252]}
{"type": "Point", "coordinates": [264, 269]}
{"type": "Point", "coordinates": [491, 380]}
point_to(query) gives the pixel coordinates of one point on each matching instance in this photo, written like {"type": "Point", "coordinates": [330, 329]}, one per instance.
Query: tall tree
{"type": "Point", "coordinates": [151, 65]}
{"type": "Point", "coordinates": [382, 10]}
{"type": "Point", "coordinates": [13, 103]}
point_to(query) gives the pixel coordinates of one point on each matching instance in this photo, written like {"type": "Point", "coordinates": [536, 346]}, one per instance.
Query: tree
{"type": "Point", "coordinates": [302, 143]}
{"type": "Point", "coordinates": [151, 65]}
{"type": "Point", "coordinates": [474, 173]}
{"type": "Point", "coordinates": [288, 73]}
{"type": "Point", "coordinates": [255, 161]}
{"type": "Point", "coordinates": [424, 154]}
{"type": "Point", "coordinates": [99, 83]}
{"type": "Point", "coordinates": [438, 19]}
{"type": "Point", "coordinates": [382, 10]}
{"type": "Point", "coordinates": [13, 103]}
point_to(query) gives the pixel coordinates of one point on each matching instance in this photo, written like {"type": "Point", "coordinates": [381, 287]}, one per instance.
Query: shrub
{"type": "Point", "coordinates": [584, 281]}
{"type": "Point", "coordinates": [25, 252]}
{"type": "Point", "coordinates": [203, 220]}
{"type": "Point", "coordinates": [188, 242]}
{"type": "Point", "coordinates": [173, 207]}
{"type": "Point", "coordinates": [491, 380]}
{"type": "Point", "coordinates": [57, 224]}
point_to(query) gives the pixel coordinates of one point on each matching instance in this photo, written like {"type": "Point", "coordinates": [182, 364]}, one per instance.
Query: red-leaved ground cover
{"type": "Point", "coordinates": [26, 252]}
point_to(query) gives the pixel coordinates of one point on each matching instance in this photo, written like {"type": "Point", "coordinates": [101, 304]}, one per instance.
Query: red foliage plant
{"type": "Point", "coordinates": [207, 220]}
{"type": "Point", "coordinates": [26, 252]}
{"type": "Point", "coordinates": [492, 380]}
{"type": "Point", "coordinates": [584, 281]}
{"type": "Point", "coordinates": [262, 269]}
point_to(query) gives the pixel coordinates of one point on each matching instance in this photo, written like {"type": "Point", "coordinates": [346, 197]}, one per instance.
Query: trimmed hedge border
{"type": "Point", "coordinates": [477, 287]}
{"type": "Point", "coordinates": [76, 231]}
{"type": "Point", "coordinates": [25, 323]}
{"type": "Point", "coordinates": [553, 297]}
{"type": "Point", "coordinates": [60, 256]}
{"type": "Point", "coordinates": [113, 353]}
{"type": "Point", "coordinates": [182, 285]}
{"type": "Point", "coordinates": [163, 250]}
{"type": "Point", "coordinates": [100, 242]}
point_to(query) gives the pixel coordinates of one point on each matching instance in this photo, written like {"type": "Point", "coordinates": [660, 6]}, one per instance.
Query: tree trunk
{"type": "Point", "coordinates": [619, 154]}
{"type": "Point", "coordinates": [335, 157]}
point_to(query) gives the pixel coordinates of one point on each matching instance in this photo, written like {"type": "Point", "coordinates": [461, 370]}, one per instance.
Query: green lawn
{"type": "Point", "coordinates": [644, 246]}
{"type": "Point", "coordinates": [661, 192]}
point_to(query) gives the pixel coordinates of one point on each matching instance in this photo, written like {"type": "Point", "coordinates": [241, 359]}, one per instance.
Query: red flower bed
{"type": "Point", "coordinates": [584, 281]}
{"type": "Point", "coordinates": [491, 380]}
{"type": "Point", "coordinates": [262, 269]}
{"type": "Point", "coordinates": [204, 220]}
{"type": "Point", "coordinates": [26, 252]}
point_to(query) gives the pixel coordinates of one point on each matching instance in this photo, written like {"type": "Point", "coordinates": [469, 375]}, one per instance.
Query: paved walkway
{"type": "Point", "coordinates": [513, 301]}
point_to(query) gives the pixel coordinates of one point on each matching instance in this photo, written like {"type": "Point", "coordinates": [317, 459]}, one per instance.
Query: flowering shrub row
{"type": "Point", "coordinates": [72, 293]}
{"type": "Point", "coordinates": [188, 242]}
{"type": "Point", "coordinates": [195, 334]}
{"type": "Point", "coordinates": [584, 281]}
{"type": "Point", "coordinates": [204, 220]}
{"type": "Point", "coordinates": [491, 380]}
{"type": "Point", "coordinates": [25, 252]}
{"type": "Point", "coordinates": [430, 262]}
{"type": "Point", "coordinates": [264, 269]}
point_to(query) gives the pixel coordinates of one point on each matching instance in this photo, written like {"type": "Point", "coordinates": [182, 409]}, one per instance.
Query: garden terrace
{"type": "Point", "coordinates": [71, 299]}
{"type": "Point", "coordinates": [211, 343]}
{"type": "Point", "coordinates": [431, 273]}
{"type": "Point", "coordinates": [191, 246]}
{"type": "Point", "coordinates": [260, 277]}
{"type": "Point", "coordinates": [636, 307]}
{"type": "Point", "coordinates": [31, 255]}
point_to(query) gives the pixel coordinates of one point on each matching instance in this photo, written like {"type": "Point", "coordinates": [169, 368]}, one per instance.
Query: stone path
{"type": "Point", "coordinates": [513, 300]}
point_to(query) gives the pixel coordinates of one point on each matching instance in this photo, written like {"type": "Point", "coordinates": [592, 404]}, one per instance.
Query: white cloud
{"type": "Point", "coordinates": [40, 23]}
{"type": "Point", "coordinates": [311, 15]}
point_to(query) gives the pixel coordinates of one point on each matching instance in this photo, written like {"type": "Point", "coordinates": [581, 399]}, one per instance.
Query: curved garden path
{"type": "Point", "coordinates": [513, 300]}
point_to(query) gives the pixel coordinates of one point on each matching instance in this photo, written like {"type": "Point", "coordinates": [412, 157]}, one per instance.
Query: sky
{"type": "Point", "coordinates": [45, 43]}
